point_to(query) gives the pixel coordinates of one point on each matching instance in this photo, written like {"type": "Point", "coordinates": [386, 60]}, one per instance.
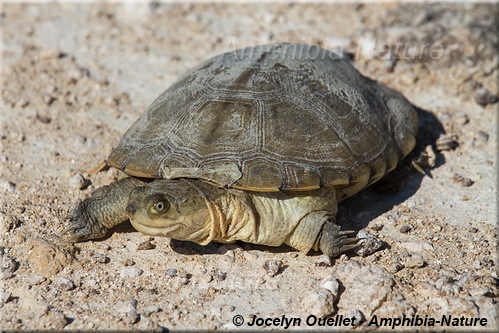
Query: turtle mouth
{"type": "Point", "coordinates": [165, 231]}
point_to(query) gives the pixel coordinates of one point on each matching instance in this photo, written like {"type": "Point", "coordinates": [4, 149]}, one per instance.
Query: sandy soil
{"type": "Point", "coordinates": [74, 78]}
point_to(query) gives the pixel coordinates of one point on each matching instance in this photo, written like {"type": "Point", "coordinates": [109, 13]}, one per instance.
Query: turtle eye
{"type": "Point", "coordinates": [158, 206]}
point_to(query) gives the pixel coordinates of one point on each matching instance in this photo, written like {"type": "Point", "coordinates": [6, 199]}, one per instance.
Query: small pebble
{"type": "Point", "coordinates": [65, 284]}
{"type": "Point", "coordinates": [9, 222]}
{"type": "Point", "coordinates": [484, 96]}
{"type": "Point", "coordinates": [105, 247]}
{"type": "Point", "coordinates": [405, 229]}
{"type": "Point", "coordinates": [445, 117]}
{"type": "Point", "coordinates": [17, 137]}
{"type": "Point", "coordinates": [78, 182]}
{"type": "Point", "coordinates": [324, 261]}
{"type": "Point", "coordinates": [437, 227]}
{"type": "Point", "coordinates": [43, 119]}
{"type": "Point", "coordinates": [182, 273]}
{"type": "Point", "coordinates": [219, 275]}
{"type": "Point", "coordinates": [58, 319]}
{"type": "Point", "coordinates": [394, 268]}
{"type": "Point", "coordinates": [6, 297]}
{"type": "Point", "coordinates": [100, 258]}
{"type": "Point", "coordinates": [484, 291]}
{"type": "Point", "coordinates": [171, 272]}
{"type": "Point", "coordinates": [131, 317]}
{"type": "Point", "coordinates": [318, 303]}
{"type": "Point", "coordinates": [153, 308]}
{"type": "Point", "coordinates": [7, 185]}
{"type": "Point", "coordinates": [18, 239]}
{"type": "Point", "coordinates": [35, 279]}
{"type": "Point", "coordinates": [250, 256]}
{"type": "Point", "coordinates": [483, 136]}
{"type": "Point", "coordinates": [48, 99]}
{"type": "Point", "coordinates": [22, 103]}
{"type": "Point", "coordinates": [414, 261]}
{"type": "Point", "coordinates": [184, 280]}
{"type": "Point", "coordinates": [124, 307]}
{"type": "Point", "coordinates": [460, 119]}
{"type": "Point", "coordinates": [51, 53]}
{"type": "Point", "coordinates": [43, 308]}
{"type": "Point", "coordinates": [359, 316]}
{"type": "Point", "coordinates": [229, 256]}
{"type": "Point", "coordinates": [131, 272]}
{"type": "Point", "coordinates": [129, 262]}
{"type": "Point", "coordinates": [464, 181]}
{"type": "Point", "coordinates": [9, 266]}
{"type": "Point", "coordinates": [331, 284]}
{"type": "Point", "coordinates": [207, 278]}
{"type": "Point", "coordinates": [175, 315]}
{"type": "Point", "coordinates": [112, 101]}
{"type": "Point", "coordinates": [147, 245]}
{"type": "Point", "coordinates": [473, 230]}
{"type": "Point", "coordinates": [272, 267]}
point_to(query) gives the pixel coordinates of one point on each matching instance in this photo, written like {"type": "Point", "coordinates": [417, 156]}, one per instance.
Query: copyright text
{"type": "Point", "coordinates": [344, 321]}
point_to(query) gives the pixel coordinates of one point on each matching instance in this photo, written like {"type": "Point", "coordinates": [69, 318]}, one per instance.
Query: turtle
{"type": "Point", "coordinates": [257, 145]}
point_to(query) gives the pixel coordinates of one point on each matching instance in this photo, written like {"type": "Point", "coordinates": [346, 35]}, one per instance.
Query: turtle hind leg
{"type": "Point", "coordinates": [333, 241]}
{"type": "Point", "coordinates": [103, 209]}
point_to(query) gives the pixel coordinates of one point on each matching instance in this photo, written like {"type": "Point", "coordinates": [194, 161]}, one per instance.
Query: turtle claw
{"type": "Point", "coordinates": [346, 232]}
{"type": "Point", "coordinates": [333, 241]}
{"type": "Point", "coordinates": [348, 244]}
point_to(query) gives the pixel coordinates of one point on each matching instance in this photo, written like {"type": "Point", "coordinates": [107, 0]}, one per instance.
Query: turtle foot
{"type": "Point", "coordinates": [334, 241]}
{"type": "Point", "coordinates": [83, 226]}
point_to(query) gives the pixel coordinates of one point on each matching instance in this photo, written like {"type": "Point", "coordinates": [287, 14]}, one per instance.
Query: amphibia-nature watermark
{"type": "Point", "coordinates": [371, 50]}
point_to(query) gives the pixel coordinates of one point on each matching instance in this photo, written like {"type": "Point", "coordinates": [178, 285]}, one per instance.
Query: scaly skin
{"type": "Point", "coordinates": [105, 208]}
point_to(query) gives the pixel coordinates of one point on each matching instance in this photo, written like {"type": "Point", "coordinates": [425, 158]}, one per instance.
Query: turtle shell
{"type": "Point", "coordinates": [269, 118]}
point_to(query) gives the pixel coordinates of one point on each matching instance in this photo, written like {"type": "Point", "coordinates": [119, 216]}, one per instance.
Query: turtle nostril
{"type": "Point", "coordinates": [131, 209]}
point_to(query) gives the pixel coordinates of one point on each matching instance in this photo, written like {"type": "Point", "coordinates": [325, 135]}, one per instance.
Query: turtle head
{"type": "Point", "coordinates": [171, 208]}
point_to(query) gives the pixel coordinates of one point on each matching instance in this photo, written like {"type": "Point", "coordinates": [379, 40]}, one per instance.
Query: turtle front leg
{"type": "Point", "coordinates": [102, 210]}
{"type": "Point", "coordinates": [333, 241]}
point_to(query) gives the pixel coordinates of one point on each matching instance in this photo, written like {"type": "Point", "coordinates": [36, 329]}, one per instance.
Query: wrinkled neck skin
{"type": "Point", "coordinates": [276, 218]}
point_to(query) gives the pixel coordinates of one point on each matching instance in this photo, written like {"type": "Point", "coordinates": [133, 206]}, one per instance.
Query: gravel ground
{"type": "Point", "coordinates": [74, 78]}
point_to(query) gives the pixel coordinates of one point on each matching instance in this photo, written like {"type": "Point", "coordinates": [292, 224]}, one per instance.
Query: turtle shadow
{"type": "Point", "coordinates": [396, 187]}
{"type": "Point", "coordinates": [190, 248]}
